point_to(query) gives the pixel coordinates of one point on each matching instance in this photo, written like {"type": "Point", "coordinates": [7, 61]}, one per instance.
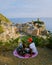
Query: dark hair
{"type": "Point", "coordinates": [32, 41]}
{"type": "Point", "coordinates": [24, 45]}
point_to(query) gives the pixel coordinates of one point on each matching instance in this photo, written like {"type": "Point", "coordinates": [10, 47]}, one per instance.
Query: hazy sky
{"type": "Point", "coordinates": [26, 8]}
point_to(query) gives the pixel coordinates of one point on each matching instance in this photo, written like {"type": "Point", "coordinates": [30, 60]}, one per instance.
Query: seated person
{"type": "Point", "coordinates": [20, 49]}
{"type": "Point", "coordinates": [32, 46]}
{"type": "Point", "coordinates": [31, 49]}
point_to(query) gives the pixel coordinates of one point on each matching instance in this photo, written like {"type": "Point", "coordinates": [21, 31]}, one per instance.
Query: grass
{"type": "Point", "coordinates": [4, 19]}
{"type": "Point", "coordinates": [43, 58]}
{"type": "Point", "coordinates": [1, 29]}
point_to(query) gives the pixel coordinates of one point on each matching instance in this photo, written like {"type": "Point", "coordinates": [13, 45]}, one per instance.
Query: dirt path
{"type": "Point", "coordinates": [44, 58]}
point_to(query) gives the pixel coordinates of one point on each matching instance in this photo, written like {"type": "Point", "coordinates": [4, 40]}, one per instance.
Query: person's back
{"type": "Point", "coordinates": [33, 47]}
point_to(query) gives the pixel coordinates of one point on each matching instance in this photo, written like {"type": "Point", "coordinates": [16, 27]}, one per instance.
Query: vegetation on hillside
{"type": "Point", "coordinates": [4, 19]}
{"type": "Point", "coordinates": [1, 29]}
{"type": "Point", "coordinates": [49, 45]}
{"type": "Point", "coordinates": [39, 41]}
{"type": "Point", "coordinates": [9, 45]}
{"type": "Point", "coordinates": [13, 43]}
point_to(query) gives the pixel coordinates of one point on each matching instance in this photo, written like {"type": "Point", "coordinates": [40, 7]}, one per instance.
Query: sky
{"type": "Point", "coordinates": [26, 8]}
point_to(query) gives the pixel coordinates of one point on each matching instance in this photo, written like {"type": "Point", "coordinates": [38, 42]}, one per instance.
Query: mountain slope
{"type": "Point", "coordinates": [3, 22]}
{"type": "Point", "coordinates": [4, 19]}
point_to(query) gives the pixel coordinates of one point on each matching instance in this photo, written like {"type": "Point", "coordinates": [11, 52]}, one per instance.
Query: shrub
{"type": "Point", "coordinates": [24, 40]}
{"type": "Point", "coordinates": [49, 45]}
{"type": "Point", "coordinates": [9, 45]}
{"type": "Point", "coordinates": [39, 41]}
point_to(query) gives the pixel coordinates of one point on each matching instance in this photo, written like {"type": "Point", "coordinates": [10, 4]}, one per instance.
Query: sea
{"type": "Point", "coordinates": [47, 21]}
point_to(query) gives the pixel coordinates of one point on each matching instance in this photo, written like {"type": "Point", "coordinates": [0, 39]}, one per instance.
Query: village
{"type": "Point", "coordinates": [34, 28]}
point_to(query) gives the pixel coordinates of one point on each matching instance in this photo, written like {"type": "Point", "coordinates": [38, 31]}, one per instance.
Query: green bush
{"type": "Point", "coordinates": [9, 45]}
{"type": "Point", "coordinates": [39, 41]}
{"type": "Point", "coordinates": [24, 40]}
{"type": "Point", "coordinates": [13, 43]}
{"type": "Point", "coordinates": [49, 45]}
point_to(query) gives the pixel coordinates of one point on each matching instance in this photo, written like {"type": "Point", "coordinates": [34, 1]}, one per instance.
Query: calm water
{"type": "Point", "coordinates": [48, 21]}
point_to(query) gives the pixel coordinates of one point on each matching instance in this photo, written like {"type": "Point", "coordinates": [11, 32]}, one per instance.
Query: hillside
{"type": "Point", "coordinates": [4, 19]}
{"type": "Point", "coordinates": [1, 29]}
{"type": "Point", "coordinates": [7, 30]}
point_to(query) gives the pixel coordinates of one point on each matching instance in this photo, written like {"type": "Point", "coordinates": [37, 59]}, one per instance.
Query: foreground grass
{"type": "Point", "coordinates": [44, 58]}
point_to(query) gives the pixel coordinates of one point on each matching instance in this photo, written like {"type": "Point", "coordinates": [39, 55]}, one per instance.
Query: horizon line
{"type": "Point", "coordinates": [29, 17]}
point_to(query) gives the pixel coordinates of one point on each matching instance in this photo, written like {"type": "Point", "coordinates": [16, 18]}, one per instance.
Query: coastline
{"type": "Point", "coordinates": [47, 21]}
